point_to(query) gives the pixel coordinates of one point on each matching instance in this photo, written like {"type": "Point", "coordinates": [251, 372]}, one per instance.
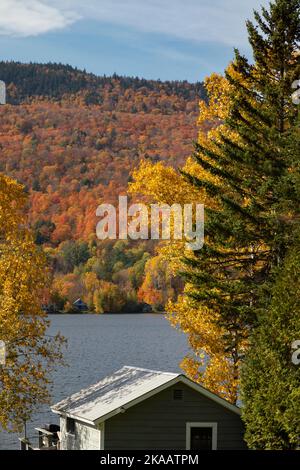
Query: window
{"type": "Point", "coordinates": [70, 426]}
{"type": "Point", "coordinates": [201, 436]}
{"type": "Point", "coordinates": [177, 394]}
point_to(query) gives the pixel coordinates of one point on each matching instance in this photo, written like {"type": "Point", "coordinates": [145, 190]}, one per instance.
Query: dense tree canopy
{"type": "Point", "coordinates": [73, 139]}
{"type": "Point", "coordinates": [30, 353]}
{"type": "Point", "coordinates": [270, 379]}
{"type": "Point", "coordinates": [244, 174]}
{"type": "Point", "coordinates": [25, 82]}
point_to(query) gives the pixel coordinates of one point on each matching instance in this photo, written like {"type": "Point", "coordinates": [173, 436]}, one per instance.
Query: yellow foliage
{"type": "Point", "coordinates": [23, 277]}
{"type": "Point", "coordinates": [210, 364]}
{"type": "Point", "coordinates": [156, 288]}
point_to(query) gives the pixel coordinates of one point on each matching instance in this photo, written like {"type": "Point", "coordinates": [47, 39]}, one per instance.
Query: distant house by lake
{"type": "Point", "coordinates": [138, 408]}
{"type": "Point", "coordinates": [80, 305]}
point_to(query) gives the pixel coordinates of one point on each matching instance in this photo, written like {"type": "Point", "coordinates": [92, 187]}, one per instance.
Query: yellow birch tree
{"type": "Point", "coordinates": [30, 353]}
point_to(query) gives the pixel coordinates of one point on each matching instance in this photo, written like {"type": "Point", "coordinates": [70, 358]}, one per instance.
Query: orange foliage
{"type": "Point", "coordinates": [72, 157]}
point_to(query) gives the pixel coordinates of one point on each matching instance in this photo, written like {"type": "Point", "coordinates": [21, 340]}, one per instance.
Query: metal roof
{"type": "Point", "coordinates": [124, 388]}
{"type": "Point", "coordinates": [112, 392]}
{"type": "Point", "coordinates": [79, 301]}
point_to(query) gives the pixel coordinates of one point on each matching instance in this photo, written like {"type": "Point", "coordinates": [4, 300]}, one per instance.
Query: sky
{"type": "Point", "coordinates": [154, 39]}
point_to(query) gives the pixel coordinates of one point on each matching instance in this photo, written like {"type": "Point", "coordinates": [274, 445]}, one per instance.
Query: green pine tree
{"type": "Point", "coordinates": [270, 379]}
{"type": "Point", "coordinates": [248, 236]}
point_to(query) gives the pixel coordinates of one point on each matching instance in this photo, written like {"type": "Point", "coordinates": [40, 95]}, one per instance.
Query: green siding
{"type": "Point", "coordinates": [160, 423]}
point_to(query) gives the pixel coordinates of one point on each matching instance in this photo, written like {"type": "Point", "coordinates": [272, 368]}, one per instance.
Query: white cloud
{"type": "Point", "coordinates": [32, 17]}
{"type": "Point", "coordinates": [220, 21]}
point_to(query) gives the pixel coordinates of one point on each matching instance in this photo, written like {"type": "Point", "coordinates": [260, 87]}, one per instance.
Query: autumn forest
{"type": "Point", "coordinates": [73, 139]}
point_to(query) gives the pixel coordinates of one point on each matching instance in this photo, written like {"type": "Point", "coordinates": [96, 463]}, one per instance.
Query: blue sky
{"type": "Point", "coordinates": [166, 39]}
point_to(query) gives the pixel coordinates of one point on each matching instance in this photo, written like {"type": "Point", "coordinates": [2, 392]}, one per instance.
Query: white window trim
{"type": "Point", "coordinates": [101, 428]}
{"type": "Point", "coordinates": [214, 427]}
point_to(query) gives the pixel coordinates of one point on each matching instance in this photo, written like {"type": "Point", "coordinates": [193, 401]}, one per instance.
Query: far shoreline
{"type": "Point", "coordinates": [106, 313]}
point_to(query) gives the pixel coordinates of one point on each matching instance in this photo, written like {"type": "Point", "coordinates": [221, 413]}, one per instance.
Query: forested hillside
{"type": "Point", "coordinates": [26, 82]}
{"type": "Point", "coordinates": [73, 139]}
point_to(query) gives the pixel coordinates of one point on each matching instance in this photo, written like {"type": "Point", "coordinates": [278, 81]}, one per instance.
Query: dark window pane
{"type": "Point", "coordinates": [201, 438]}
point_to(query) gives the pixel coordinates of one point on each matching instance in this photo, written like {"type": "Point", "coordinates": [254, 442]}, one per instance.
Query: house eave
{"type": "Point", "coordinates": [212, 396]}
{"type": "Point", "coordinates": [180, 378]}
{"type": "Point", "coordinates": [65, 414]}
{"type": "Point", "coordinates": [121, 409]}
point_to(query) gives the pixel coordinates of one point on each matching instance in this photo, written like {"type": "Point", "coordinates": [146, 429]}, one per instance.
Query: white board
{"type": "Point", "coordinates": [2, 92]}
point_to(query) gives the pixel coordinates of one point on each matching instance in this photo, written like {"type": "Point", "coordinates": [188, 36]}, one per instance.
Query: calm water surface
{"type": "Point", "coordinates": [99, 345]}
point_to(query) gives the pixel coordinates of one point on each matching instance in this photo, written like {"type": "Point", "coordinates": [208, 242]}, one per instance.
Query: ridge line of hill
{"type": "Point", "coordinates": [54, 80]}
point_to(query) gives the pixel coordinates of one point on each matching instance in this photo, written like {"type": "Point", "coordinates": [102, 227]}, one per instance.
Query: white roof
{"type": "Point", "coordinates": [123, 389]}
{"type": "Point", "coordinates": [112, 392]}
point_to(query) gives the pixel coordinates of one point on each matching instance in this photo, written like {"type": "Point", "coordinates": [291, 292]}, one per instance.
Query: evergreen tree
{"type": "Point", "coordinates": [248, 166]}
{"type": "Point", "coordinates": [270, 379]}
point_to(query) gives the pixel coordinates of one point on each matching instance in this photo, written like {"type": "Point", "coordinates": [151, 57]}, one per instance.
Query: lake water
{"type": "Point", "coordinates": [100, 344]}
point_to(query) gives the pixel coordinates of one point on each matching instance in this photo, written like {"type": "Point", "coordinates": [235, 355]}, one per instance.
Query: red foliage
{"type": "Point", "coordinates": [72, 157]}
